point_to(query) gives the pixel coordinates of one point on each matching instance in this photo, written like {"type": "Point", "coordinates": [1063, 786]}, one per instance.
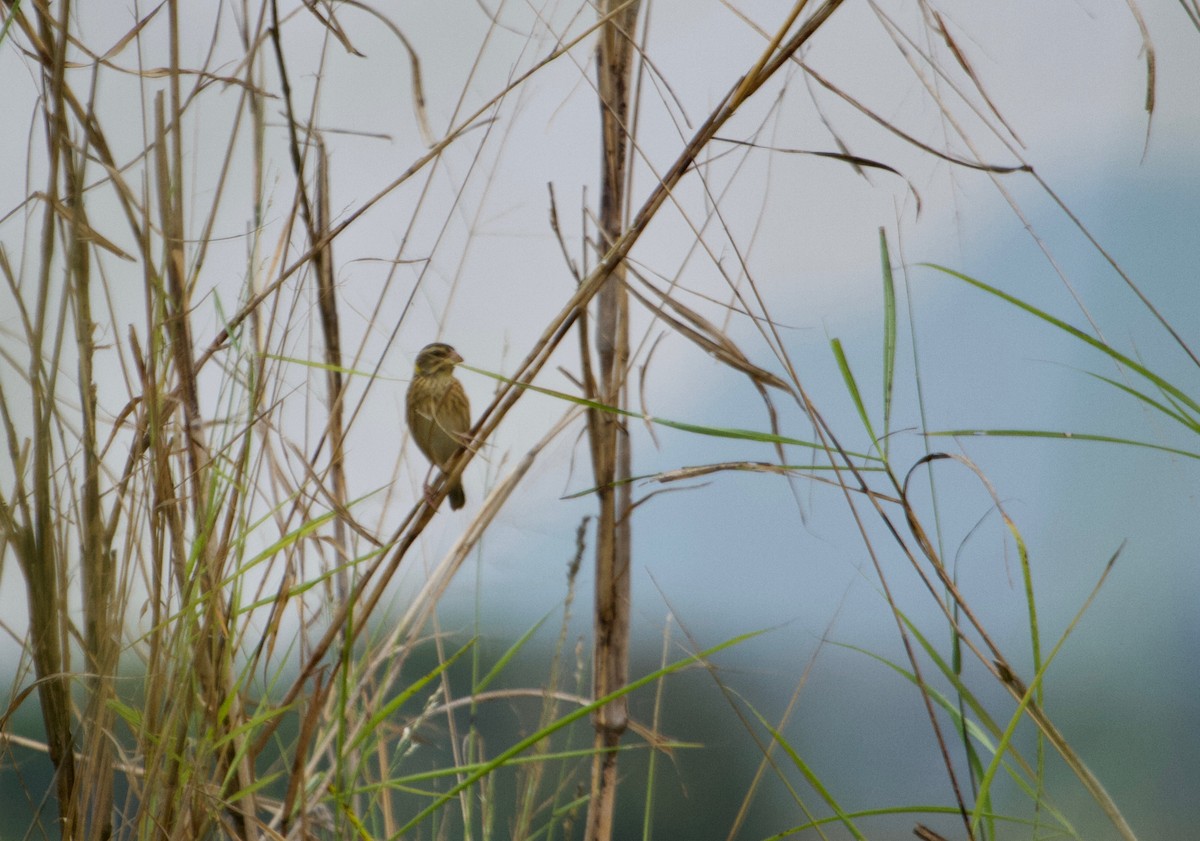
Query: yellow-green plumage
{"type": "Point", "coordinates": [437, 410]}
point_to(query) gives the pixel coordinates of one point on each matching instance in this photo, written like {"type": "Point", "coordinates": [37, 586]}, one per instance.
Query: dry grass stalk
{"type": "Point", "coordinates": [607, 435]}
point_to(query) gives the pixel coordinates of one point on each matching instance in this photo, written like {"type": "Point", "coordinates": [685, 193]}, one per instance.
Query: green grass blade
{"type": "Point", "coordinates": [889, 336]}
{"type": "Point", "coordinates": [1174, 412]}
{"type": "Point", "coordinates": [1066, 436]}
{"type": "Point", "coordinates": [852, 386]}
{"type": "Point", "coordinates": [571, 717]}
{"type": "Point", "coordinates": [916, 809]}
{"type": "Point", "coordinates": [1077, 333]}
{"type": "Point", "coordinates": [385, 711]}
{"type": "Point", "coordinates": [505, 658]}
{"type": "Point", "coordinates": [683, 426]}
{"type": "Point", "coordinates": [809, 775]}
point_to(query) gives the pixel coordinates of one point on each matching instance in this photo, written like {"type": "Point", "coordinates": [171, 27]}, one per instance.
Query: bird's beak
{"type": "Point", "coordinates": [455, 357]}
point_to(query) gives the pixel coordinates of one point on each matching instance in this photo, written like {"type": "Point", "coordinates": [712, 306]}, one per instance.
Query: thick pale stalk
{"type": "Point", "coordinates": [611, 458]}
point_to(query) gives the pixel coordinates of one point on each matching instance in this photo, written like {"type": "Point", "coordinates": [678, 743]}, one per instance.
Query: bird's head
{"type": "Point", "coordinates": [437, 358]}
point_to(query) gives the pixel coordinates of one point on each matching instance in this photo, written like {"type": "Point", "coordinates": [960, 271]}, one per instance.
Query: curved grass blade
{"type": "Point", "coordinates": [683, 426]}
{"type": "Point", "coordinates": [1174, 411]}
{"type": "Point", "coordinates": [1115, 354]}
{"type": "Point", "coordinates": [1066, 436]}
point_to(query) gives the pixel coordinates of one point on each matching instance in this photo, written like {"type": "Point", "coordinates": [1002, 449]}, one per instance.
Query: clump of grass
{"type": "Point", "coordinates": [212, 639]}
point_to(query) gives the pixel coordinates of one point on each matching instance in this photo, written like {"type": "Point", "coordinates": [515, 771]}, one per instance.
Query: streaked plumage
{"type": "Point", "coordinates": [437, 410]}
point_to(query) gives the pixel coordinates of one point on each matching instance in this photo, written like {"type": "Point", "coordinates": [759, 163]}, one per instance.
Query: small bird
{"type": "Point", "coordinates": [437, 410]}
